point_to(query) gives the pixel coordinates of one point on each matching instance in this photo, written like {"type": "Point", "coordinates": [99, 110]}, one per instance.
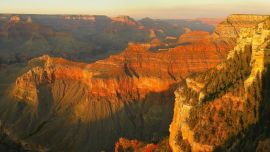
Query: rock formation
{"type": "Point", "coordinates": [125, 20]}
{"type": "Point", "coordinates": [215, 110]}
{"type": "Point", "coordinates": [67, 105]}
{"type": "Point", "coordinates": [15, 19]}
{"type": "Point", "coordinates": [60, 105]}
{"type": "Point", "coordinates": [123, 145]}
{"type": "Point", "coordinates": [236, 24]}
{"type": "Point", "coordinates": [133, 145]}
{"type": "Point", "coordinates": [194, 37]}
{"type": "Point", "coordinates": [29, 19]}
{"type": "Point", "coordinates": [85, 38]}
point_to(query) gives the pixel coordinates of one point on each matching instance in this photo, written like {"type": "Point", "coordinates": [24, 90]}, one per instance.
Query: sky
{"type": "Point", "coordinates": [162, 9]}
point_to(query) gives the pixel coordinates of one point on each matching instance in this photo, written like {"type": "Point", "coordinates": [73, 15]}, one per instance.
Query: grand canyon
{"type": "Point", "coordinates": [92, 83]}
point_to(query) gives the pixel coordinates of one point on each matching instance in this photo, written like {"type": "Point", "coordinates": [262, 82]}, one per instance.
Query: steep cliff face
{"type": "Point", "coordinates": [221, 108]}
{"type": "Point", "coordinates": [236, 25]}
{"type": "Point", "coordinates": [60, 104]}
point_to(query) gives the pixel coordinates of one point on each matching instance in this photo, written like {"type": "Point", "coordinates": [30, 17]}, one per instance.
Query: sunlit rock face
{"type": "Point", "coordinates": [134, 145]}
{"type": "Point", "coordinates": [236, 25]}
{"type": "Point", "coordinates": [213, 110]}
{"type": "Point", "coordinates": [60, 104]}
{"type": "Point", "coordinates": [124, 144]}
{"type": "Point", "coordinates": [194, 37]}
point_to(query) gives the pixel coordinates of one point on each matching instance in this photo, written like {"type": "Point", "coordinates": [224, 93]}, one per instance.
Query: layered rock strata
{"type": "Point", "coordinates": [213, 108]}
{"type": "Point", "coordinates": [66, 105]}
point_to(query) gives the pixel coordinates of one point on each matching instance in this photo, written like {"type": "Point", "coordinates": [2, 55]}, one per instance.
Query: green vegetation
{"type": "Point", "coordinates": [235, 71]}
{"type": "Point", "coordinates": [218, 82]}
{"type": "Point", "coordinates": [258, 104]}
{"type": "Point", "coordinates": [227, 108]}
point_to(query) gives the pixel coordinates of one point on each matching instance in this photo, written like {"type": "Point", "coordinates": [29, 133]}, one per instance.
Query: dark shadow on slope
{"type": "Point", "coordinates": [53, 125]}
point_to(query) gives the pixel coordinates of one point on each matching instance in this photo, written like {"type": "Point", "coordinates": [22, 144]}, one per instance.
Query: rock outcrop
{"type": "Point", "coordinates": [15, 19]}
{"type": "Point", "coordinates": [29, 19]}
{"type": "Point", "coordinates": [236, 25]}
{"type": "Point", "coordinates": [137, 146]}
{"type": "Point", "coordinates": [215, 110]}
{"type": "Point", "coordinates": [125, 20]}
{"type": "Point", "coordinates": [194, 37]}
{"type": "Point", "coordinates": [133, 145]}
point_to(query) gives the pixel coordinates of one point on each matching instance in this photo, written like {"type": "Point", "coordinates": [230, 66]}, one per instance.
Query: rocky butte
{"type": "Point", "coordinates": [194, 37]}
{"type": "Point", "coordinates": [57, 105]}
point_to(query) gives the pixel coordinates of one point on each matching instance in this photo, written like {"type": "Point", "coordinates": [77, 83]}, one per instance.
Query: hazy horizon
{"type": "Point", "coordinates": [172, 9]}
